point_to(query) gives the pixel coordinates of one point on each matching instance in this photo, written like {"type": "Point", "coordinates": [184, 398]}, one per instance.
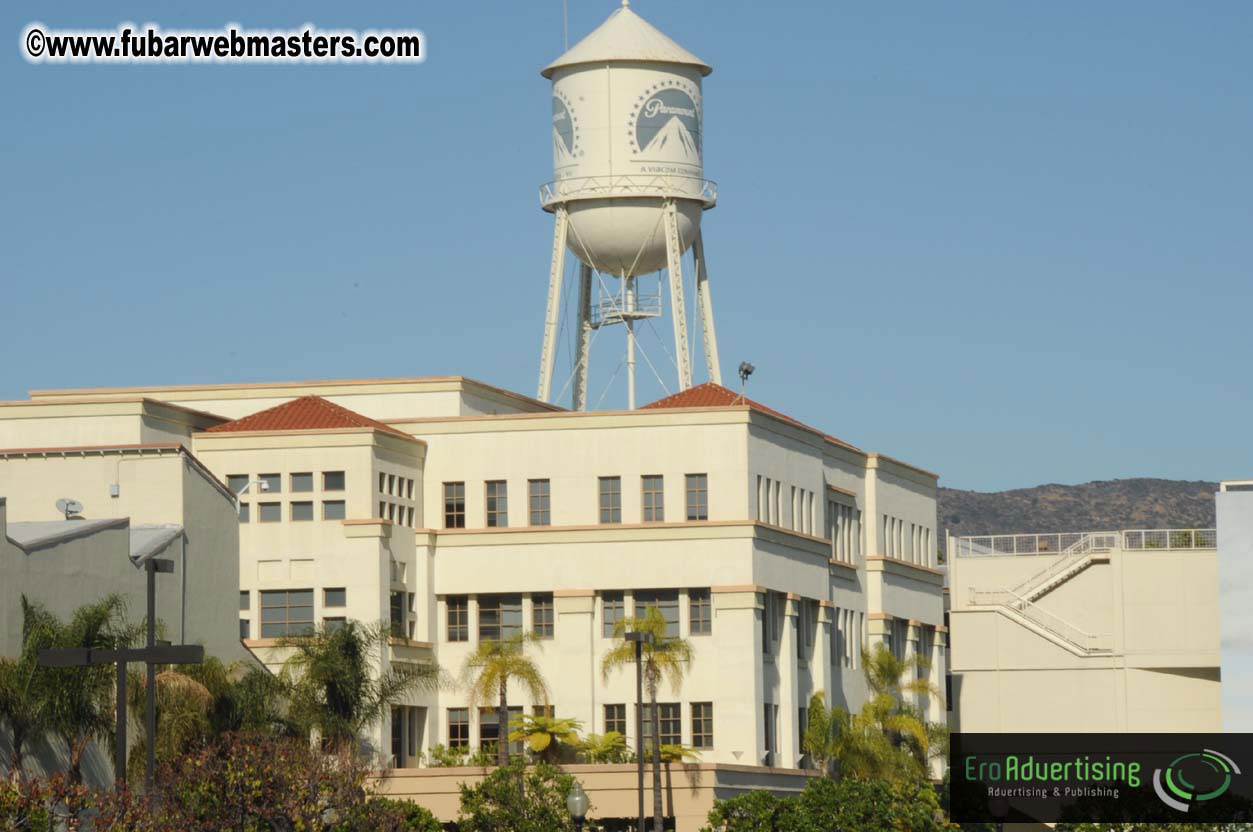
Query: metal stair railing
{"type": "Point", "coordinates": [1073, 554]}
{"type": "Point", "coordinates": [1016, 604]}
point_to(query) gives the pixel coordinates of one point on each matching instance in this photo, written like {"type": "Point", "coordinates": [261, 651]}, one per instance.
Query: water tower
{"type": "Point", "coordinates": [628, 191]}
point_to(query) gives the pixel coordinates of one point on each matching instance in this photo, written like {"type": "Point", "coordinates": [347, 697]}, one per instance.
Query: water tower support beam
{"type": "Point", "coordinates": [554, 305]}
{"type": "Point", "coordinates": [705, 302]}
{"type": "Point", "coordinates": [678, 309]}
{"type": "Point", "coordinates": [582, 357]}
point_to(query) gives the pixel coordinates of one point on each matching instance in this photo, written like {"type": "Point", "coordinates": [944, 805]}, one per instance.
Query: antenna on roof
{"type": "Point", "coordinates": [565, 25]}
{"type": "Point", "coordinates": [746, 370]}
{"type": "Point", "coordinates": [70, 508]}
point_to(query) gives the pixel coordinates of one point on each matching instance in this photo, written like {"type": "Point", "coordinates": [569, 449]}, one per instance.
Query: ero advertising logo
{"type": "Point", "coordinates": [1194, 778]}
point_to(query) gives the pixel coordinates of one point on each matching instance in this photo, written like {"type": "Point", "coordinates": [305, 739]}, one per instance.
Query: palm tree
{"type": "Point", "coordinates": [676, 754]}
{"type": "Point", "coordinates": [663, 656]}
{"type": "Point", "coordinates": [487, 671]}
{"type": "Point", "coordinates": [545, 735]}
{"type": "Point", "coordinates": [335, 689]}
{"type": "Point", "coordinates": [23, 705]}
{"type": "Point", "coordinates": [893, 683]}
{"type": "Point", "coordinates": [819, 739]}
{"type": "Point", "coordinates": [609, 747]}
{"type": "Point", "coordinates": [80, 699]}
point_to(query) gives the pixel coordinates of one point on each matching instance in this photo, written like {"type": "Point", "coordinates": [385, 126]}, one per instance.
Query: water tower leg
{"type": "Point", "coordinates": [554, 305]}
{"type": "Point", "coordinates": [582, 358]}
{"type": "Point", "coordinates": [678, 309]}
{"type": "Point", "coordinates": [706, 305]}
{"type": "Point", "coordinates": [628, 285]}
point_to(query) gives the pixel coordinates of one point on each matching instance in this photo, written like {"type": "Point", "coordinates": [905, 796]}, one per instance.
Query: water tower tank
{"type": "Point", "coordinates": [627, 134]}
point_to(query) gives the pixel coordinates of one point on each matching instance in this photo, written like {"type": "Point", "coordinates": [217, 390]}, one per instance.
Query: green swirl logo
{"type": "Point", "coordinates": [1194, 778]}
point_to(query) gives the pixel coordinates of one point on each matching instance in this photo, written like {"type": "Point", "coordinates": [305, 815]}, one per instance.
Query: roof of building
{"type": "Point", "coordinates": [626, 36]}
{"type": "Point", "coordinates": [715, 395]}
{"type": "Point", "coordinates": [150, 541]}
{"type": "Point", "coordinates": [32, 535]}
{"type": "Point", "coordinates": [305, 413]}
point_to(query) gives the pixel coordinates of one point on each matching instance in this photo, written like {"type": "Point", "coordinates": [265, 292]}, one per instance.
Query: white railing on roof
{"type": "Point", "coordinates": [1136, 540]}
{"type": "Point", "coordinates": [1074, 553]}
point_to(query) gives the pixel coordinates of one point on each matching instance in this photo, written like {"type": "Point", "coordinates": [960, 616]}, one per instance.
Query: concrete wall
{"type": "Point", "coordinates": [1235, 600]}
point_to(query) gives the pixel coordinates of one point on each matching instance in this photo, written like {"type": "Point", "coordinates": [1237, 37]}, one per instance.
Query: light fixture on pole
{"type": "Point", "coordinates": [639, 639]}
{"type": "Point", "coordinates": [746, 370]}
{"type": "Point", "coordinates": [577, 803]}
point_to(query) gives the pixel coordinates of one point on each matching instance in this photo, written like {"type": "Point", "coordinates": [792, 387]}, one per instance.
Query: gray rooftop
{"type": "Point", "coordinates": [145, 541]}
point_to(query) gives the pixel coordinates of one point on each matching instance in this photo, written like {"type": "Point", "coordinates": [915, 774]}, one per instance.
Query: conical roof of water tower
{"type": "Point", "coordinates": [625, 36]}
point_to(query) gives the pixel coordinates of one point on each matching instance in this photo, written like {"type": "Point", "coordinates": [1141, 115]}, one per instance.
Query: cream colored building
{"type": "Point", "coordinates": [459, 511]}
{"type": "Point", "coordinates": [1102, 631]}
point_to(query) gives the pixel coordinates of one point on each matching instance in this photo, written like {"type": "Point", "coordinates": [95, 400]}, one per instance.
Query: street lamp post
{"type": "Point", "coordinates": [639, 639]}
{"type": "Point", "coordinates": [577, 803]}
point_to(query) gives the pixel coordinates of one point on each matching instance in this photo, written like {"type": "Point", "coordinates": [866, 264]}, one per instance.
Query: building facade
{"type": "Point", "coordinates": [1234, 514]}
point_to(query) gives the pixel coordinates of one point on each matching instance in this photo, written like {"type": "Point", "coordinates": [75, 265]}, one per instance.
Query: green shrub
{"type": "Point", "coordinates": [516, 798]}
{"type": "Point", "coordinates": [833, 806]}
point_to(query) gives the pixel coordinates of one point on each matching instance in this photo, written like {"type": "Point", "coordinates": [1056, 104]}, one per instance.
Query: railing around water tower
{"type": "Point", "coordinates": [628, 185]}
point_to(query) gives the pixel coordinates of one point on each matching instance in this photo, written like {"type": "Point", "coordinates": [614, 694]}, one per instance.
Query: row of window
{"type": "Point", "coordinates": [669, 717]}
{"type": "Point", "coordinates": [910, 542]}
{"type": "Point", "coordinates": [609, 501]}
{"type": "Point", "coordinates": [289, 612]}
{"type": "Point", "coordinates": [500, 615]}
{"type": "Point", "coordinates": [844, 531]}
{"type": "Point", "coordinates": [299, 483]}
{"type": "Point", "coordinates": [396, 513]}
{"type": "Point", "coordinates": [395, 486]}
{"type": "Point", "coordinates": [298, 511]}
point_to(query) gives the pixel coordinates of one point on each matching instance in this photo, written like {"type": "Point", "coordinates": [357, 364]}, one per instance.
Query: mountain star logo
{"type": "Point", "coordinates": [1194, 778]}
{"type": "Point", "coordinates": [565, 134]}
{"type": "Point", "coordinates": [666, 126]}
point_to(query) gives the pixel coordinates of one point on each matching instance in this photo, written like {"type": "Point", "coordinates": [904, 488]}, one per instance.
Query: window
{"type": "Point", "coordinates": [272, 483]}
{"type": "Point", "coordinates": [245, 600]}
{"type": "Point", "coordinates": [613, 610]}
{"type": "Point", "coordinates": [333, 510]}
{"type": "Point", "coordinates": [769, 714]}
{"type": "Point", "coordinates": [671, 723]}
{"type": "Point", "coordinates": [334, 596]}
{"type": "Point", "coordinates": [332, 480]}
{"type": "Point", "coordinates": [697, 497]}
{"type": "Point", "coordinates": [538, 499]}
{"type": "Point", "coordinates": [489, 729]}
{"type": "Point", "coordinates": [382, 482]}
{"type": "Point", "coordinates": [497, 504]}
{"type": "Point", "coordinates": [454, 505]}
{"type": "Point", "coordinates": [542, 615]}
{"type": "Point", "coordinates": [458, 727]}
{"type": "Point", "coordinates": [665, 601]}
{"type": "Point", "coordinates": [236, 482]}
{"type": "Point", "coordinates": [244, 514]}
{"type": "Point", "coordinates": [397, 606]}
{"type": "Point", "coordinates": [700, 612]}
{"type": "Point", "coordinates": [652, 498]}
{"type": "Point", "coordinates": [458, 618]}
{"type": "Point", "coordinates": [398, 735]}
{"type": "Point", "coordinates": [416, 717]}
{"type": "Point", "coordinates": [549, 711]}
{"type": "Point", "coordinates": [333, 623]}
{"type": "Point", "coordinates": [245, 628]}
{"type": "Point", "coordinates": [610, 499]}
{"type": "Point", "coordinates": [409, 517]}
{"type": "Point", "coordinates": [500, 616]}
{"type": "Point", "coordinates": [391, 484]}
{"type": "Point", "coordinates": [301, 512]}
{"type": "Point", "coordinates": [286, 612]}
{"type": "Point", "coordinates": [409, 489]}
{"type": "Point", "coordinates": [302, 482]}
{"type": "Point", "coordinates": [702, 725]}
{"type": "Point", "coordinates": [270, 512]}
{"type": "Point", "coordinates": [615, 719]}
{"type": "Point", "coordinates": [382, 515]}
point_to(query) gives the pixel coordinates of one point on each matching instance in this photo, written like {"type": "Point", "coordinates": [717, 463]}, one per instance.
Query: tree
{"type": "Point", "coordinates": [833, 806]}
{"type": "Point", "coordinates": [663, 656]}
{"type": "Point", "coordinates": [79, 700]}
{"type": "Point", "coordinates": [23, 705]}
{"type": "Point", "coordinates": [819, 739]}
{"type": "Point", "coordinates": [609, 747]}
{"type": "Point", "coordinates": [514, 798]}
{"type": "Point", "coordinates": [545, 735]}
{"type": "Point", "coordinates": [334, 684]}
{"type": "Point", "coordinates": [487, 671]}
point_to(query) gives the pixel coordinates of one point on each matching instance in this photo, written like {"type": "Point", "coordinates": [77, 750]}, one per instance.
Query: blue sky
{"type": "Point", "coordinates": [1008, 242]}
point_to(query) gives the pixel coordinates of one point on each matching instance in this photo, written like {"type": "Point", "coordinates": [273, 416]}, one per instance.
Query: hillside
{"type": "Point", "coordinates": [1093, 506]}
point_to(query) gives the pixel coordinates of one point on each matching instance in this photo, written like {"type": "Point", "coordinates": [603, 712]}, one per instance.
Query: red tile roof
{"type": "Point", "coordinates": [305, 413]}
{"type": "Point", "coordinates": [715, 395]}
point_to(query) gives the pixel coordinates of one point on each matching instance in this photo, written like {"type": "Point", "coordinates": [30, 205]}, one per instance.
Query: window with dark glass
{"type": "Point", "coordinates": [700, 612]}
{"type": "Point", "coordinates": [458, 618]}
{"type": "Point", "coordinates": [458, 727]}
{"type": "Point", "coordinates": [397, 606]}
{"type": "Point", "coordinates": [613, 609]}
{"type": "Point", "coordinates": [489, 729]}
{"type": "Point", "coordinates": [670, 723]}
{"type": "Point", "coordinates": [302, 482]}
{"type": "Point", "coordinates": [333, 623]}
{"type": "Point", "coordinates": [245, 600]}
{"type": "Point", "coordinates": [539, 502]}
{"type": "Point", "coordinates": [665, 601]}
{"type": "Point", "coordinates": [702, 725]}
{"type": "Point", "coordinates": [542, 614]}
{"type": "Point", "coordinates": [332, 480]}
{"type": "Point", "coordinates": [270, 512]}
{"type": "Point", "coordinates": [610, 499]}
{"type": "Point", "coordinates": [334, 596]}
{"type": "Point", "coordinates": [454, 505]}
{"type": "Point", "coordinates": [697, 497]}
{"type": "Point", "coordinates": [500, 616]}
{"type": "Point", "coordinates": [245, 628]}
{"type": "Point", "coordinates": [398, 735]}
{"type": "Point", "coordinates": [286, 612]}
{"type": "Point", "coordinates": [301, 512]}
{"type": "Point", "coordinates": [615, 719]}
{"type": "Point", "coordinates": [244, 514]}
{"type": "Point", "coordinates": [236, 482]}
{"type": "Point", "coordinates": [333, 510]}
{"type": "Point", "coordinates": [271, 483]}
{"type": "Point", "coordinates": [497, 504]}
{"type": "Point", "coordinates": [652, 498]}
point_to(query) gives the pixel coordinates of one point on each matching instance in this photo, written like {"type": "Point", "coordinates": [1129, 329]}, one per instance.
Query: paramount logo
{"type": "Point", "coordinates": [655, 107]}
